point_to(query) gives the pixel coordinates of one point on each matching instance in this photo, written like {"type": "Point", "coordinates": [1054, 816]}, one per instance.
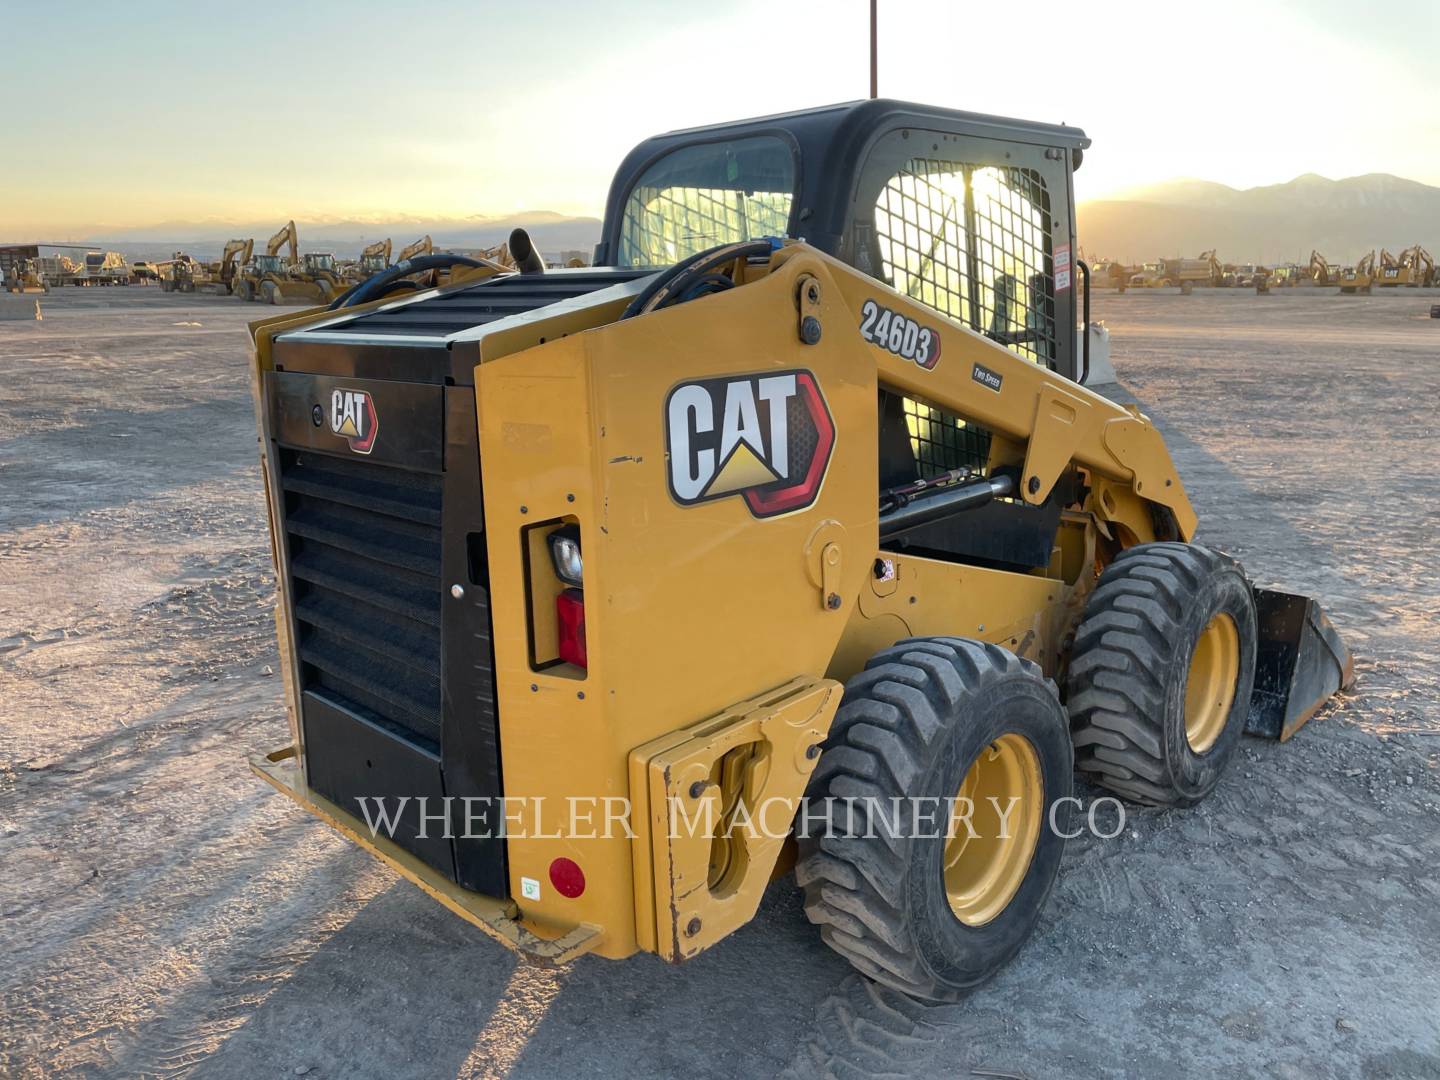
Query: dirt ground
{"type": "Point", "coordinates": [162, 912]}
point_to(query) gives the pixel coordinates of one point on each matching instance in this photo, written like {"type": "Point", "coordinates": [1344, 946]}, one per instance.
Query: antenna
{"type": "Point", "coordinates": [874, 55]}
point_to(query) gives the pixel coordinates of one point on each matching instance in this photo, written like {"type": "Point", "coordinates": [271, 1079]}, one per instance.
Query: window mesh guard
{"type": "Point", "coordinates": [973, 242]}
{"type": "Point", "coordinates": [942, 441]}
{"type": "Point", "coordinates": [664, 225]}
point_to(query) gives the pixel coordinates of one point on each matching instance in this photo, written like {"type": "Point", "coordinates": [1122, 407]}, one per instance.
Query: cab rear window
{"type": "Point", "coordinates": [698, 197]}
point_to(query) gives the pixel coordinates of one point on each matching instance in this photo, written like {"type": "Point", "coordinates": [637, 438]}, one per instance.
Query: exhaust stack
{"type": "Point", "coordinates": [527, 259]}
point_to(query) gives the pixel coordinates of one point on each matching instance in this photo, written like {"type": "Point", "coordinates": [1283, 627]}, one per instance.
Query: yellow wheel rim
{"type": "Point", "coordinates": [987, 859]}
{"type": "Point", "coordinates": [1210, 684]}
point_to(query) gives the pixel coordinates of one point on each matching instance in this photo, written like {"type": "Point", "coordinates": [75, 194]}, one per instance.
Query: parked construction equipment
{"type": "Point", "coordinates": [274, 278]}
{"type": "Point", "coordinates": [232, 260]}
{"type": "Point", "coordinates": [1206, 270]}
{"type": "Point", "coordinates": [1413, 268]}
{"type": "Point", "coordinates": [1321, 272]}
{"type": "Point", "coordinates": [183, 274]}
{"type": "Point", "coordinates": [423, 246]}
{"type": "Point", "coordinates": [1358, 278]}
{"type": "Point", "coordinates": [25, 277]}
{"type": "Point", "coordinates": [375, 259]}
{"type": "Point", "coordinates": [636, 528]}
{"type": "Point", "coordinates": [103, 268]}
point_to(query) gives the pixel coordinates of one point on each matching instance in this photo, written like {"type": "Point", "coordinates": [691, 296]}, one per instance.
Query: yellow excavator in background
{"type": "Point", "coordinates": [236, 254]}
{"type": "Point", "coordinates": [263, 274]}
{"type": "Point", "coordinates": [1358, 278]}
{"type": "Point", "coordinates": [1320, 271]}
{"type": "Point", "coordinates": [1424, 265]}
{"type": "Point", "coordinates": [1413, 268]}
{"type": "Point", "coordinates": [375, 259]}
{"type": "Point", "coordinates": [423, 246]}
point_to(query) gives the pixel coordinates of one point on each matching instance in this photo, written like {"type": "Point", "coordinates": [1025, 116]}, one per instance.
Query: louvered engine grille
{"type": "Point", "coordinates": [485, 302]}
{"type": "Point", "coordinates": [364, 543]}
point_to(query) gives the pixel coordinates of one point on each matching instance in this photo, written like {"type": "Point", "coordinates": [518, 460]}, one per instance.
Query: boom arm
{"type": "Point", "coordinates": [423, 246]}
{"type": "Point", "coordinates": [281, 238]}
{"type": "Point", "coordinates": [378, 250]}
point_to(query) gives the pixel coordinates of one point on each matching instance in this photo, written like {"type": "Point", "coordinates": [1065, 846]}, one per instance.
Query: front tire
{"type": "Point", "coordinates": [932, 720]}
{"type": "Point", "coordinates": [1161, 673]}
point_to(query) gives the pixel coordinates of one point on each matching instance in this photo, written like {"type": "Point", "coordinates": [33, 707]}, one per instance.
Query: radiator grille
{"type": "Point", "coordinates": [486, 301]}
{"type": "Point", "coordinates": [364, 543]}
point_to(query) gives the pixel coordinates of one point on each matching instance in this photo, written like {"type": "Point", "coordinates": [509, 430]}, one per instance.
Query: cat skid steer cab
{"type": "Point", "coordinates": [793, 508]}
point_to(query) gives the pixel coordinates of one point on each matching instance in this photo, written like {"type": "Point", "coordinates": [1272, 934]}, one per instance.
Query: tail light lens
{"type": "Point", "coordinates": [570, 616]}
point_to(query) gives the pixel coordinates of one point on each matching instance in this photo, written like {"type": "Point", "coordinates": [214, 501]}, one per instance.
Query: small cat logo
{"type": "Point", "coordinates": [353, 417]}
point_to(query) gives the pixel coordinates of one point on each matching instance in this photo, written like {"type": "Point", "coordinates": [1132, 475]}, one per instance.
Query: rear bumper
{"type": "Point", "coordinates": [498, 918]}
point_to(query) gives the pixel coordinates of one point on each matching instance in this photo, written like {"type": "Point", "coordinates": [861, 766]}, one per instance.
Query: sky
{"type": "Point", "coordinates": [127, 115]}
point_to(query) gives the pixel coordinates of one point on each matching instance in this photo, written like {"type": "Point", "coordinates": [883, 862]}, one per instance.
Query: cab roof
{"type": "Point", "coordinates": [828, 142]}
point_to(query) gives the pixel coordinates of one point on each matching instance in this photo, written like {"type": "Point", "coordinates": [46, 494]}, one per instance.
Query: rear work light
{"type": "Point", "coordinates": [565, 554]}
{"type": "Point", "coordinates": [570, 618]}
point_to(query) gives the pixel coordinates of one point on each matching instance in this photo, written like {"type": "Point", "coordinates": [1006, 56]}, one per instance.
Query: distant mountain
{"type": "Point", "coordinates": [552, 233]}
{"type": "Point", "coordinates": [1277, 223]}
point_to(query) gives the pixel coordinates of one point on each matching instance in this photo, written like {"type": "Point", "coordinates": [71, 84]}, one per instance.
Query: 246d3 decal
{"type": "Point", "coordinates": [766, 438]}
{"type": "Point", "coordinates": [900, 335]}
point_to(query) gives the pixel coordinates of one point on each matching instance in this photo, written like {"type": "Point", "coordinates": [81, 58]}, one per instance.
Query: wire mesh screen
{"type": "Point", "coordinates": [942, 441]}
{"type": "Point", "coordinates": [664, 225]}
{"type": "Point", "coordinates": [972, 241]}
{"type": "Point", "coordinates": [707, 194]}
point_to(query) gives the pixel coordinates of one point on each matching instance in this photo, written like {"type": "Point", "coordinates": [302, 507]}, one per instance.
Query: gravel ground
{"type": "Point", "coordinates": [162, 912]}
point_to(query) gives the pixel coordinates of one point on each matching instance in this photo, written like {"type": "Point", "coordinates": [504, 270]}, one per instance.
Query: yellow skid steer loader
{"type": "Point", "coordinates": [608, 594]}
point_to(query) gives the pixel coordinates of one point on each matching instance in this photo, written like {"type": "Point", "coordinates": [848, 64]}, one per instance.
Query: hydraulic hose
{"type": "Point", "coordinates": [375, 287]}
{"type": "Point", "coordinates": [672, 284]}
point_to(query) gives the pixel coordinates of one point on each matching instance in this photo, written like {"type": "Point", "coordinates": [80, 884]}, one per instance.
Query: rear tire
{"type": "Point", "coordinates": [1164, 619]}
{"type": "Point", "coordinates": [930, 719]}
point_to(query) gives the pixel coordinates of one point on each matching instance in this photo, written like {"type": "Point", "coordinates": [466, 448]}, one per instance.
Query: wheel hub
{"type": "Point", "coordinates": [1210, 684]}
{"type": "Point", "coordinates": [986, 862]}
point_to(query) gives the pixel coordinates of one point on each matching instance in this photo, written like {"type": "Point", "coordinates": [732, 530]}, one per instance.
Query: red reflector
{"type": "Point", "coordinates": [570, 614]}
{"type": "Point", "coordinates": [567, 877]}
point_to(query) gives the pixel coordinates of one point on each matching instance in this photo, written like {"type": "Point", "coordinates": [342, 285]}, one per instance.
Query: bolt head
{"type": "Point", "coordinates": [810, 330]}
{"type": "Point", "coordinates": [1034, 484]}
{"type": "Point", "coordinates": [692, 927]}
{"type": "Point", "coordinates": [457, 591]}
{"type": "Point", "coordinates": [812, 751]}
{"type": "Point", "coordinates": [317, 416]}
{"type": "Point", "coordinates": [697, 789]}
{"type": "Point", "coordinates": [833, 601]}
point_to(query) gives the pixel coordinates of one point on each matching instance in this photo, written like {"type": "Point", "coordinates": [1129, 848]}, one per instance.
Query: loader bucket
{"type": "Point", "coordinates": [1300, 663]}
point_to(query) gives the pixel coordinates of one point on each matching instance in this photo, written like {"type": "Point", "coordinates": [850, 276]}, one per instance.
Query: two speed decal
{"type": "Point", "coordinates": [902, 336]}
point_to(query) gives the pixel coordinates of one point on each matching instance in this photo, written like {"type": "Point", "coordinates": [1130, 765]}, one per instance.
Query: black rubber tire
{"type": "Point", "coordinates": [910, 726]}
{"type": "Point", "coordinates": [1128, 669]}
